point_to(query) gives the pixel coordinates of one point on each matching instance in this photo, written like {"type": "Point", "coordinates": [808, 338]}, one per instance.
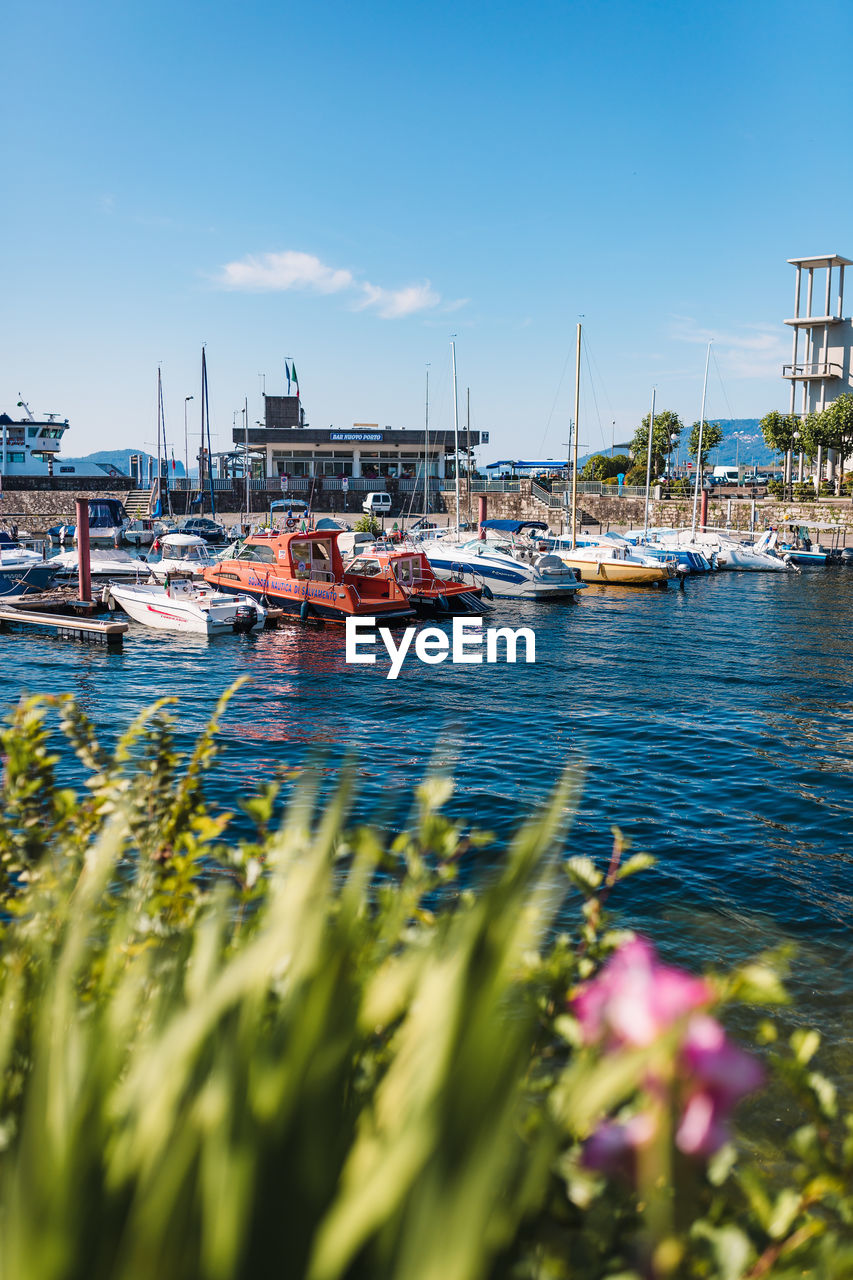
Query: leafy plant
{"type": "Point", "coordinates": [367, 524]}
{"type": "Point", "coordinates": [313, 1052]}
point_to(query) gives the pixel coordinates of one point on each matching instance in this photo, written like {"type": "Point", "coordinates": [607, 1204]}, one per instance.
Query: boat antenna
{"type": "Point", "coordinates": [455, 428]}
{"type": "Point", "coordinates": [699, 449]}
{"type": "Point", "coordinates": [576, 429]}
{"type": "Point", "coordinates": [649, 466]}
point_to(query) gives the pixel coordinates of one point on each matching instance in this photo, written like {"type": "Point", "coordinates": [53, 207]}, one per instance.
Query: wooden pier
{"type": "Point", "coordinates": [65, 625]}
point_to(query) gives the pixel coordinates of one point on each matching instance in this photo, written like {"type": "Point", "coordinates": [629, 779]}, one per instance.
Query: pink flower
{"type": "Point", "coordinates": [720, 1075]}
{"type": "Point", "coordinates": [611, 1148]}
{"type": "Point", "coordinates": [635, 998]}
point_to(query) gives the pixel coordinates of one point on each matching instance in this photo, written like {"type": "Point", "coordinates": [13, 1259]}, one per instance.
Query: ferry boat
{"type": "Point", "coordinates": [304, 574]}
{"type": "Point", "coordinates": [429, 595]}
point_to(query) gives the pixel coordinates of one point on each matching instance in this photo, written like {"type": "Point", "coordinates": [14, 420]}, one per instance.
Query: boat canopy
{"type": "Point", "coordinates": [183, 540]}
{"type": "Point", "coordinates": [513, 526]}
{"type": "Point", "coordinates": [106, 513]}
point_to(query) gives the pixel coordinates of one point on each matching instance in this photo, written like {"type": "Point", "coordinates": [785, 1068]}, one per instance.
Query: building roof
{"type": "Point", "coordinates": [825, 260]}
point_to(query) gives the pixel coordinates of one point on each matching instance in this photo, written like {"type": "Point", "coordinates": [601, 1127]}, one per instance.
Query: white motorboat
{"type": "Point", "coordinates": [104, 566]}
{"type": "Point", "coordinates": [182, 553]}
{"type": "Point", "coordinates": [505, 562]}
{"type": "Point", "coordinates": [183, 605]}
{"type": "Point", "coordinates": [725, 551]}
{"type": "Point", "coordinates": [613, 560]}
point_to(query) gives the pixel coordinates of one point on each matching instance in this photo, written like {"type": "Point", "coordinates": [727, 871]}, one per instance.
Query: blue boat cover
{"type": "Point", "coordinates": [513, 526]}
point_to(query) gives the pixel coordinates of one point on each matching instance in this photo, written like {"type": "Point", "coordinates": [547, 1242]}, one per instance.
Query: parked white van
{"type": "Point", "coordinates": [376, 504]}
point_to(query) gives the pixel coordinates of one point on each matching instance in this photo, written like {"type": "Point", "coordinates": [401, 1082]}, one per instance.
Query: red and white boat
{"type": "Point", "coordinates": [304, 574]}
{"type": "Point", "coordinates": [429, 595]}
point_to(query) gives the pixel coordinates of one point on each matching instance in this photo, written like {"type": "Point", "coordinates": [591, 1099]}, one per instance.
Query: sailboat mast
{"type": "Point", "coordinates": [426, 448]}
{"type": "Point", "coordinates": [468, 458]}
{"type": "Point", "coordinates": [575, 450]}
{"type": "Point", "coordinates": [698, 477]}
{"type": "Point", "coordinates": [649, 464]}
{"type": "Point", "coordinates": [205, 408]}
{"type": "Point", "coordinates": [455, 431]}
{"type": "Point", "coordinates": [159, 415]}
{"type": "Point", "coordinates": [246, 463]}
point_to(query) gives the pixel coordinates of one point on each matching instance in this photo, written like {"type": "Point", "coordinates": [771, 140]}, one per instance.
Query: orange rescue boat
{"type": "Point", "coordinates": [304, 574]}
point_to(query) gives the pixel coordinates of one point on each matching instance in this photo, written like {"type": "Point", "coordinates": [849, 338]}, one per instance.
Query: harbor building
{"type": "Point", "coordinates": [821, 365]}
{"type": "Point", "coordinates": [285, 445]}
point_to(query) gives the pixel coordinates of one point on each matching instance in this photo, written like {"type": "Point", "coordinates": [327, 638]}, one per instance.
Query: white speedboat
{"type": "Point", "coordinates": [611, 559]}
{"type": "Point", "coordinates": [505, 562]}
{"type": "Point", "coordinates": [187, 606]}
{"type": "Point", "coordinates": [182, 553]}
{"type": "Point", "coordinates": [104, 566]}
{"type": "Point", "coordinates": [724, 551]}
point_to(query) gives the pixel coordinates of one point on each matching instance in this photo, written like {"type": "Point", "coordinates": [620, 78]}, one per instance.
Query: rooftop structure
{"type": "Point", "coordinates": [285, 445]}
{"type": "Point", "coordinates": [821, 366]}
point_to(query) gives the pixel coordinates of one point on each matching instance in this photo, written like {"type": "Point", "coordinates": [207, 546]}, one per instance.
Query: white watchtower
{"type": "Point", "coordinates": [823, 339]}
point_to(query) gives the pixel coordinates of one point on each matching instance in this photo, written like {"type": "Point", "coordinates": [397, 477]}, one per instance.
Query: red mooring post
{"type": "Point", "coordinates": [84, 575]}
{"type": "Point", "coordinates": [703, 515]}
{"type": "Point", "coordinates": [482, 510]}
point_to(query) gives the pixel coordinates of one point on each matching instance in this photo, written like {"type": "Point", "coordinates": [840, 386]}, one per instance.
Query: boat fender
{"type": "Point", "coordinates": [305, 611]}
{"type": "Point", "coordinates": [487, 592]}
{"type": "Point", "coordinates": [442, 603]}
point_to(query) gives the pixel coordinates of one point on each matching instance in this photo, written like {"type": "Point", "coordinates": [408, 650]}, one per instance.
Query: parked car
{"type": "Point", "coordinates": [376, 504]}
{"type": "Point", "coordinates": [203, 527]}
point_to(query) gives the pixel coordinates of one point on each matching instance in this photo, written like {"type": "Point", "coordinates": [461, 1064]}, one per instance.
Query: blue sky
{"type": "Point", "coordinates": [350, 185]}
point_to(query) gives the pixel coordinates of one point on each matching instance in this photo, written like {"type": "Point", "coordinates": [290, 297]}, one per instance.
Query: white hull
{"type": "Point", "coordinates": [185, 607]}
{"type": "Point", "coordinates": [504, 576]}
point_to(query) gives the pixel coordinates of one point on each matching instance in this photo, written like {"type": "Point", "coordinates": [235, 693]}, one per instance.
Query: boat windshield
{"type": "Point", "coordinates": [192, 553]}
{"type": "Point", "coordinates": [256, 551]}
{"type": "Point", "coordinates": [364, 568]}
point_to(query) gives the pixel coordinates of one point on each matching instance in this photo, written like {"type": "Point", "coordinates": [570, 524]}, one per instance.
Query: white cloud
{"type": "Point", "coordinates": [756, 351]}
{"type": "Point", "coordinates": [288, 270]}
{"type": "Point", "coordinates": [391, 304]}
{"type": "Point", "coordinates": [279, 272]}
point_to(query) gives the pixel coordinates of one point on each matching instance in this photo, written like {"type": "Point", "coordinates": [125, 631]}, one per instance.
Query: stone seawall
{"type": "Point", "coordinates": [36, 503]}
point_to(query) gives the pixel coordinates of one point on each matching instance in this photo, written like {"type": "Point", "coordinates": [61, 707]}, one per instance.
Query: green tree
{"type": "Point", "coordinates": [601, 466]}
{"type": "Point", "coordinates": [778, 430]}
{"type": "Point", "coordinates": [667, 425]}
{"type": "Point", "coordinates": [838, 422]}
{"type": "Point", "coordinates": [712, 438]}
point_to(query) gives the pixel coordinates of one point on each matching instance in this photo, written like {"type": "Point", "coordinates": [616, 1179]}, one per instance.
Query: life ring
{"type": "Point", "coordinates": [290, 524]}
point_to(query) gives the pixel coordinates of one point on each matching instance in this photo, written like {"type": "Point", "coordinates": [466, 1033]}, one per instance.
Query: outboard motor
{"type": "Point", "coordinates": [245, 618]}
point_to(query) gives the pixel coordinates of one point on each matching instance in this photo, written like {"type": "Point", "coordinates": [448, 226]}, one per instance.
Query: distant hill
{"type": "Point", "coordinates": [120, 459]}
{"type": "Point", "coordinates": [742, 443]}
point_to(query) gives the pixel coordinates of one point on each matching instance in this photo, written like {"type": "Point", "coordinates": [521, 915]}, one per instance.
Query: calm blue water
{"type": "Point", "coordinates": [715, 726]}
